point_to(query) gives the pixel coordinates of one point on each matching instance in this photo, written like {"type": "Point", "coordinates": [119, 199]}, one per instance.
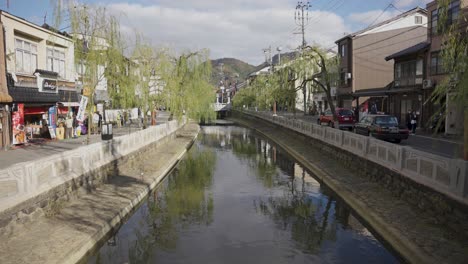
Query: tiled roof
{"type": "Point", "coordinates": [413, 49]}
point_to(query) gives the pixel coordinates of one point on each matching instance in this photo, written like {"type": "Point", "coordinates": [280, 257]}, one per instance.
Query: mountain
{"type": "Point", "coordinates": [230, 70]}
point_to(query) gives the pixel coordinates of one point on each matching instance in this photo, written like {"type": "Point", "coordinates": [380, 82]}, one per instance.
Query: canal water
{"type": "Point", "coordinates": [237, 198]}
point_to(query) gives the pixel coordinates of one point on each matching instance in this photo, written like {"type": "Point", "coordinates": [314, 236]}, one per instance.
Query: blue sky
{"type": "Point", "coordinates": [235, 28]}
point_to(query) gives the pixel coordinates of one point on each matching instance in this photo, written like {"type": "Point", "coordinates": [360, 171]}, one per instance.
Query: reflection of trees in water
{"type": "Point", "coordinates": [183, 202]}
{"type": "Point", "coordinates": [311, 221]}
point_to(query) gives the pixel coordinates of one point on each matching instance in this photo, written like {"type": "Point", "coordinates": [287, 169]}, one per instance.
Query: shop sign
{"type": "Point", "coordinates": [52, 117]}
{"type": "Point", "coordinates": [49, 85]}
{"type": "Point", "coordinates": [19, 134]}
{"type": "Point", "coordinates": [80, 116]}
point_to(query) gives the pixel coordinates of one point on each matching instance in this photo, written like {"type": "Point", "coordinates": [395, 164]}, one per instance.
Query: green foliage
{"type": "Point", "coordinates": [232, 69]}
{"type": "Point", "coordinates": [311, 70]}
{"type": "Point", "coordinates": [187, 88]}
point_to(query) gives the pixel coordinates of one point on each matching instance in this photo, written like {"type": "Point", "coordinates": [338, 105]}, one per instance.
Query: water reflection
{"type": "Point", "coordinates": [237, 198]}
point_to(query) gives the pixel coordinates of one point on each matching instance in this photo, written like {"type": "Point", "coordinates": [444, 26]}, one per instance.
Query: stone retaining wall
{"type": "Point", "coordinates": [427, 173]}
{"type": "Point", "coordinates": [27, 186]}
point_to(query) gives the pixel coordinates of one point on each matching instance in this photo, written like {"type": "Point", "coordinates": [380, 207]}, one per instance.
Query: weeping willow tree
{"type": "Point", "coordinates": [187, 88]}
{"type": "Point", "coordinates": [453, 27]}
{"type": "Point", "coordinates": [313, 68]}
{"type": "Point", "coordinates": [98, 51]}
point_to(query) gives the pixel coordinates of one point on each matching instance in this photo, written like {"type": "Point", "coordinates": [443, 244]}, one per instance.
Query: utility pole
{"type": "Point", "coordinates": [301, 17]}
{"type": "Point", "coordinates": [267, 52]}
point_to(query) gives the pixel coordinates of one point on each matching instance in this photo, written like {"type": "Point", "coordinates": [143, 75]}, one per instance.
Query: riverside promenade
{"type": "Point", "coordinates": [72, 227]}
{"type": "Point", "coordinates": [35, 151]}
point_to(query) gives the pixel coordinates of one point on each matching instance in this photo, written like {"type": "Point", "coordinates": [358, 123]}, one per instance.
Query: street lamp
{"type": "Point", "coordinates": [279, 49]}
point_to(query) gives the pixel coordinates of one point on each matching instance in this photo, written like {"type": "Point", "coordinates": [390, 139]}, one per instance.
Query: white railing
{"type": "Point", "coordinates": [445, 175]}
{"type": "Point", "coordinates": [26, 180]}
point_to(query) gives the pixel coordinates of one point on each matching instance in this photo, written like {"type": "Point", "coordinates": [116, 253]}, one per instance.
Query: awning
{"type": "Point", "coordinates": [35, 110]}
{"type": "Point", "coordinates": [371, 92]}
{"type": "Point", "coordinates": [31, 95]}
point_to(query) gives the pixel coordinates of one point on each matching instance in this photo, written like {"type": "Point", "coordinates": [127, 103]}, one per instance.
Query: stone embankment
{"type": "Point", "coordinates": [80, 211]}
{"type": "Point", "coordinates": [422, 225]}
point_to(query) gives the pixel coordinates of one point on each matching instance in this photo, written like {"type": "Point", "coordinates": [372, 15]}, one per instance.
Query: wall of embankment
{"type": "Point", "coordinates": [31, 189]}
{"type": "Point", "coordinates": [435, 184]}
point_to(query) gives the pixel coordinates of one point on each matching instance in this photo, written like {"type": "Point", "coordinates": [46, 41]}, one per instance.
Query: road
{"type": "Point", "coordinates": [450, 148]}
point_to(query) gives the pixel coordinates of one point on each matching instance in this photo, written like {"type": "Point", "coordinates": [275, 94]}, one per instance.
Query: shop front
{"type": "Point", "coordinates": [37, 111]}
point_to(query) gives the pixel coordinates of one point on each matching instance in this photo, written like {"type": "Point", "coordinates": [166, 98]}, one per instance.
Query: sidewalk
{"type": "Point", "coordinates": [43, 148]}
{"type": "Point", "coordinates": [446, 146]}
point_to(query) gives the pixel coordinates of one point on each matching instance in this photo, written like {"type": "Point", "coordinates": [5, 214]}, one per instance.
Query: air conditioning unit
{"type": "Point", "coordinates": [348, 75]}
{"type": "Point", "coordinates": [427, 83]}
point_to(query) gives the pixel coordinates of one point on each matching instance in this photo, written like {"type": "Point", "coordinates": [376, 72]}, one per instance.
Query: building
{"type": "Point", "coordinates": [408, 92]}
{"type": "Point", "coordinates": [41, 72]}
{"type": "Point", "coordinates": [5, 98]}
{"type": "Point", "coordinates": [364, 73]}
{"type": "Point", "coordinates": [434, 65]}
{"type": "Point", "coordinates": [418, 69]}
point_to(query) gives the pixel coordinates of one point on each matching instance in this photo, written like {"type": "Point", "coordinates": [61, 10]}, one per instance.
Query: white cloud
{"type": "Point", "coordinates": [228, 31]}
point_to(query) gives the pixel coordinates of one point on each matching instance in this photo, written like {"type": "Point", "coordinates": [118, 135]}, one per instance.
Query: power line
{"type": "Point", "coordinates": [301, 18]}
{"type": "Point", "coordinates": [396, 35]}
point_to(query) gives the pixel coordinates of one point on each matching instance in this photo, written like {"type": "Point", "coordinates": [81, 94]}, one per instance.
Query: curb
{"type": "Point", "coordinates": [393, 237]}
{"type": "Point", "coordinates": [79, 255]}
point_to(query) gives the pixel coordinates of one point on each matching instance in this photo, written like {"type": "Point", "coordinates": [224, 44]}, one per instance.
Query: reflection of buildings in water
{"type": "Point", "coordinates": [312, 184]}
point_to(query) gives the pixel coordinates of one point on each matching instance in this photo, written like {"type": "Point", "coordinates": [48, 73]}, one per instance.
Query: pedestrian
{"type": "Point", "coordinates": [374, 109]}
{"type": "Point", "coordinates": [408, 120]}
{"type": "Point", "coordinates": [95, 120]}
{"type": "Point", "coordinates": [69, 127]}
{"type": "Point", "coordinates": [75, 126]}
{"type": "Point", "coordinates": [99, 122]}
{"type": "Point", "coordinates": [414, 122]}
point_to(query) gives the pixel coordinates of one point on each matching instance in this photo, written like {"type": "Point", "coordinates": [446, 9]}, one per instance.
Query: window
{"type": "Point", "coordinates": [453, 11]}
{"type": "Point", "coordinates": [343, 79]}
{"type": "Point", "coordinates": [437, 66]}
{"type": "Point", "coordinates": [418, 20]}
{"type": "Point", "coordinates": [409, 72]}
{"type": "Point", "coordinates": [26, 56]}
{"type": "Point", "coordinates": [56, 61]}
{"type": "Point", "coordinates": [434, 21]}
{"type": "Point", "coordinates": [343, 50]}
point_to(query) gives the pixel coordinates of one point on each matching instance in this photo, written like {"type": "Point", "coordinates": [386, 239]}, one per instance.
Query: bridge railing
{"type": "Point", "coordinates": [445, 175]}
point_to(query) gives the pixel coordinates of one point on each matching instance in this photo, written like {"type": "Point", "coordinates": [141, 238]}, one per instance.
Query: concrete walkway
{"type": "Point", "coordinates": [417, 235]}
{"type": "Point", "coordinates": [49, 147]}
{"type": "Point", "coordinates": [77, 225]}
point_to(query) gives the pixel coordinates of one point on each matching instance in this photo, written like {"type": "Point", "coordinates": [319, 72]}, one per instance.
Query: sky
{"type": "Point", "coordinates": [231, 29]}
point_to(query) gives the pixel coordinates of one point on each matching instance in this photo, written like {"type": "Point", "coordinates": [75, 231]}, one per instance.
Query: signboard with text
{"type": "Point", "coordinates": [80, 116]}
{"type": "Point", "coordinates": [49, 85]}
{"type": "Point", "coordinates": [17, 118]}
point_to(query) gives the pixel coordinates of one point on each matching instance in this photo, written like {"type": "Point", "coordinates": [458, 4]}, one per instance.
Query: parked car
{"type": "Point", "coordinates": [346, 118]}
{"type": "Point", "coordinates": [383, 127]}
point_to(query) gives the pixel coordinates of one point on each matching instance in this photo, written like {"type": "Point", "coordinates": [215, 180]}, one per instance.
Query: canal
{"type": "Point", "coordinates": [237, 198]}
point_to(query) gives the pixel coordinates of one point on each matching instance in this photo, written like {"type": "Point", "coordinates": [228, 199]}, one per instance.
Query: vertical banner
{"type": "Point", "coordinates": [52, 117]}
{"type": "Point", "coordinates": [19, 135]}
{"type": "Point", "coordinates": [80, 116]}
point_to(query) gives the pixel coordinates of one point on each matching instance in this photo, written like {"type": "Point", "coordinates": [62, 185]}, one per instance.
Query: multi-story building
{"type": "Point", "coordinates": [419, 68]}
{"type": "Point", "coordinates": [5, 98]}
{"type": "Point", "coordinates": [41, 73]}
{"type": "Point", "coordinates": [434, 66]}
{"type": "Point", "coordinates": [364, 73]}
